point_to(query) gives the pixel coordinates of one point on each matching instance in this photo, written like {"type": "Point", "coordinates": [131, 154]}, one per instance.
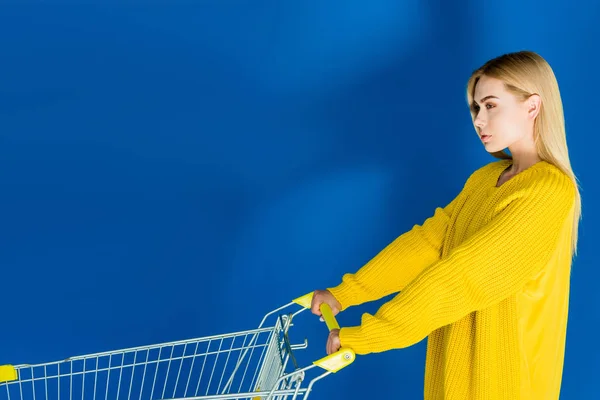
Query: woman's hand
{"type": "Point", "coordinates": [333, 341]}
{"type": "Point", "coordinates": [324, 296]}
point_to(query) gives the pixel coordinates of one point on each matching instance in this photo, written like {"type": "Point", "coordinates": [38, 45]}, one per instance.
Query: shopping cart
{"type": "Point", "coordinates": [252, 364]}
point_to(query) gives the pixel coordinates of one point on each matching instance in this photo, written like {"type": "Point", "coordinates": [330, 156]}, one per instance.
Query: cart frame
{"type": "Point", "coordinates": [248, 364]}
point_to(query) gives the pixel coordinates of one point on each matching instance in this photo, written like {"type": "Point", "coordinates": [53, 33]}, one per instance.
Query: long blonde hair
{"type": "Point", "coordinates": [525, 73]}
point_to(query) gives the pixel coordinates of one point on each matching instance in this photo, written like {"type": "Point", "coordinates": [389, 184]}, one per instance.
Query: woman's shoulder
{"type": "Point", "coordinates": [542, 176]}
{"type": "Point", "coordinates": [542, 170]}
{"type": "Point", "coordinates": [547, 177]}
{"type": "Point", "coordinates": [541, 179]}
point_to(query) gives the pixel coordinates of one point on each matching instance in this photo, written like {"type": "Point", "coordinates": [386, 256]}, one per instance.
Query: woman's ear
{"type": "Point", "coordinates": [534, 102]}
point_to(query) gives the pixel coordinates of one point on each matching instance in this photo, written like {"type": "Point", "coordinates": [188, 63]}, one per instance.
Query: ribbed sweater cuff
{"type": "Point", "coordinates": [345, 294]}
{"type": "Point", "coordinates": [354, 338]}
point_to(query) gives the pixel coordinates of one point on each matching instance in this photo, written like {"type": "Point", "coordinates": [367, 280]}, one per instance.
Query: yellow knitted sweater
{"type": "Point", "coordinates": [486, 279]}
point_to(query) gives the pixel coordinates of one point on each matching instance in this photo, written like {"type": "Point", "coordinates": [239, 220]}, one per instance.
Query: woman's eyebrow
{"type": "Point", "coordinates": [487, 98]}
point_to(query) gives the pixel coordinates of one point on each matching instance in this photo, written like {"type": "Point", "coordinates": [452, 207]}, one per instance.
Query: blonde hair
{"type": "Point", "coordinates": [525, 73]}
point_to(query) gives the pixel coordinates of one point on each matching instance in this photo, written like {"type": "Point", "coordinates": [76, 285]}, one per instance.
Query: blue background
{"type": "Point", "coordinates": [176, 171]}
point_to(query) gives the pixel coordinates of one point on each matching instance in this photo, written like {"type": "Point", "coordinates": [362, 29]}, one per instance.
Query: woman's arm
{"type": "Point", "coordinates": [398, 263]}
{"type": "Point", "coordinates": [493, 264]}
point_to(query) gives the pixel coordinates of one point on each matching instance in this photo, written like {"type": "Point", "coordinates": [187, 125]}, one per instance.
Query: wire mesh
{"type": "Point", "coordinates": [224, 365]}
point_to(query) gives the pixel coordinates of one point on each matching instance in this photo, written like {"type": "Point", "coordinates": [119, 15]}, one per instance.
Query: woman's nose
{"type": "Point", "coordinates": [479, 122]}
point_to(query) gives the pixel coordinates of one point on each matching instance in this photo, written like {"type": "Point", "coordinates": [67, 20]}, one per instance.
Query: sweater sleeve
{"type": "Point", "coordinates": [398, 263]}
{"type": "Point", "coordinates": [494, 263]}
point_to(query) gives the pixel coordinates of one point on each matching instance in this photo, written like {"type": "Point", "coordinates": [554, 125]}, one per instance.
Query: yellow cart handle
{"type": "Point", "coordinates": [328, 316]}
{"type": "Point", "coordinates": [341, 358]}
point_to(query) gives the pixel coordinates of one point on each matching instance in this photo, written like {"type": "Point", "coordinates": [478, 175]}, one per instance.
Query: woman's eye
{"type": "Point", "coordinates": [488, 106]}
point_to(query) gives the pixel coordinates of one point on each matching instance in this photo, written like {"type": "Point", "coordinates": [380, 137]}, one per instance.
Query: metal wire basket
{"type": "Point", "coordinates": [253, 364]}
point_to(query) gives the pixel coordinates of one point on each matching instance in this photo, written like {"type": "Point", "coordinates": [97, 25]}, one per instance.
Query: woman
{"type": "Point", "coordinates": [486, 278]}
